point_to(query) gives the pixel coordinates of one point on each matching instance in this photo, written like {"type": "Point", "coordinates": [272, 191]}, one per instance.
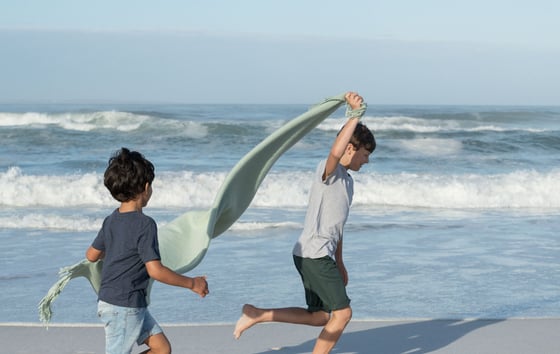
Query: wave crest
{"type": "Point", "coordinates": [519, 189]}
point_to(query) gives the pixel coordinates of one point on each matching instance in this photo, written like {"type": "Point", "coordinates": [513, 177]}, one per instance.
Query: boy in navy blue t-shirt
{"type": "Point", "coordinates": [128, 245]}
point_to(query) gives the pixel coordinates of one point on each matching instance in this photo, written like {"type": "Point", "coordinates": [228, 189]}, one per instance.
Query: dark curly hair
{"type": "Point", "coordinates": [127, 174]}
{"type": "Point", "coordinates": [362, 137]}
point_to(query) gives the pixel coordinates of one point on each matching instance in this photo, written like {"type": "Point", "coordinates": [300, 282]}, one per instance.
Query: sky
{"type": "Point", "coordinates": [474, 52]}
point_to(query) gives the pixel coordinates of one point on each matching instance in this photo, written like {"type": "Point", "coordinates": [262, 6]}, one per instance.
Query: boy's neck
{"type": "Point", "coordinates": [131, 205]}
{"type": "Point", "coordinates": [345, 162]}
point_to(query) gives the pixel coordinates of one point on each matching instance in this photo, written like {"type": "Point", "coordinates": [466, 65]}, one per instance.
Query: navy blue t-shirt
{"type": "Point", "coordinates": [129, 240]}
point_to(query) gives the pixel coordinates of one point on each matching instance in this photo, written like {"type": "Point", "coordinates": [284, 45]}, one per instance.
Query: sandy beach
{"type": "Point", "coordinates": [511, 336]}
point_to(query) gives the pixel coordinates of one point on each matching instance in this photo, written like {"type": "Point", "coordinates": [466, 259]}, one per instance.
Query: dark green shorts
{"type": "Point", "coordinates": [324, 287]}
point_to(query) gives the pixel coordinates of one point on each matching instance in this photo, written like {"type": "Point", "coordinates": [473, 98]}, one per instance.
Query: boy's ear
{"type": "Point", "coordinates": [146, 187]}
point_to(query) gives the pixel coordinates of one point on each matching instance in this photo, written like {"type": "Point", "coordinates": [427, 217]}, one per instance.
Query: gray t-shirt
{"type": "Point", "coordinates": [129, 240]}
{"type": "Point", "coordinates": [327, 212]}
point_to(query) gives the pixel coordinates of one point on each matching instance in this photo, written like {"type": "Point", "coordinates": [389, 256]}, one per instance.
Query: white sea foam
{"type": "Point", "coordinates": [520, 189]}
{"type": "Point", "coordinates": [49, 221]}
{"type": "Point", "coordinates": [125, 121]}
{"type": "Point", "coordinates": [114, 120]}
{"type": "Point", "coordinates": [54, 222]}
{"type": "Point", "coordinates": [259, 226]}
{"type": "Point", "coordinates": [432, 146]}
{"type": "Point", "coordinates": [122, 121]}
{"type": "Point", "coordinates": [395, 123]}
{"type": "Point", "coordinates": [21, 190]}
{"type": "Point", "coordinates": [422, 125]}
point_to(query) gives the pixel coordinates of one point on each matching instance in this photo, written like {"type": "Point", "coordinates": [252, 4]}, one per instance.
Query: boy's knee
{"type": "Point", "coordinates": [159, 344]}
{"type": "Point", "coordinates": [165, 349]}
{"type": "Point", "coordinates": [319, 318]}
{"type": "Point", "coordinates": [161, 350]}
{"type": "Point", "coordinates": [343, 315]}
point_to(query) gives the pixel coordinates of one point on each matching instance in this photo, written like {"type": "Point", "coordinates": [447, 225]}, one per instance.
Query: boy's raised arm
{"type": "Point", "coordinates": [343, 138]}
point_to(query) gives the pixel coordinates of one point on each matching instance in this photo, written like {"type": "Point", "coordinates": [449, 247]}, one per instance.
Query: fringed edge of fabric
{"type": "Point", "coordinates": [65, 274]}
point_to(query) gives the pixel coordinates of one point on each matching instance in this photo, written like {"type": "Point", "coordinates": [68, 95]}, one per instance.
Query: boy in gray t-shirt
{"type": "Point", "coordinates": [318, 251]}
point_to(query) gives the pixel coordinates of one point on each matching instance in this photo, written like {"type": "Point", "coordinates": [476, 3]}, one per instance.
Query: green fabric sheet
{"type": "Point", "coordinates": [184, 241]}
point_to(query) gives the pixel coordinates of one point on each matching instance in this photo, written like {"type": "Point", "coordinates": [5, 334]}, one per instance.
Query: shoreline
{"type": "Point", "coordinates": [492, 336]}
{"type": "Point", "coordinates": [214, 324]}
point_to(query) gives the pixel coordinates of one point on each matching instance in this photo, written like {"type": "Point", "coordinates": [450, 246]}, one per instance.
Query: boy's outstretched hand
{"type": "Point", "coordinates": [200, 286]}
{"type": "Point", "coordinates": [161, 273]}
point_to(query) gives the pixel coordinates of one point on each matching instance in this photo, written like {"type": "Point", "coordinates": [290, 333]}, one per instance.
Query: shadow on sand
{"type": "Point", "coordinates": [416, 337]}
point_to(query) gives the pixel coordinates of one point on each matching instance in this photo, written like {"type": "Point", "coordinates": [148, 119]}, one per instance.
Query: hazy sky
{"type": "Point", "coordinates": [285, 51]}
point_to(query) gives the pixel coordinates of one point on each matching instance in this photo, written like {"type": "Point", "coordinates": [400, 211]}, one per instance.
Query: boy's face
{"type": "Point", "coordinates": [359, 158]}
{"type": "Point", "coordinates": [147, 194]}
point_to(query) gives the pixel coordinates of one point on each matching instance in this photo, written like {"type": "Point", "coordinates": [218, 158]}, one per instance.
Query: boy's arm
{"type": "Point", "coordinates": [93, 254]}
{"type": "Point", "coordinates": [161, 273]}
{"type": "Point", "coordinates": [340, 262]}
{"type": "Point", "coordinates": [341, 142]}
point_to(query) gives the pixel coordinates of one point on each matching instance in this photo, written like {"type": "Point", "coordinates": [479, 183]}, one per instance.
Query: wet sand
{"type": "Point", "coordinates": [510, 336]}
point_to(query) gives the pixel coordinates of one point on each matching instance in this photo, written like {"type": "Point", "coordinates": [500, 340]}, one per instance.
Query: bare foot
{"type": "Point", "coordinates": [248, 319]}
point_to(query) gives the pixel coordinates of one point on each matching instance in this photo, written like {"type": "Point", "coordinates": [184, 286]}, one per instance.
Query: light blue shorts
{"type": "Point", "coordinates": [125, 326]}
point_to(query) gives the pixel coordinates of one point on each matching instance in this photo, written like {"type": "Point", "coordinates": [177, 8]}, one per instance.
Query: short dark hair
{"type": "Point", "coordinates": [127, 174]}
{"type": "Point", "coordinates": [362, 137]}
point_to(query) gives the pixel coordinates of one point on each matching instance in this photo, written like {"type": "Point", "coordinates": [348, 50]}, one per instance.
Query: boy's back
{"type": "Point", "coordinates": [129, 241]}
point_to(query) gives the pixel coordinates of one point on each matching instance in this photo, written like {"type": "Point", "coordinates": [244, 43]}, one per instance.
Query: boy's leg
{"type": "Point", "coordinates": [122, 327]}
{"type": "Point", "coordinates": [152, 335]}
{"type": "Point", "coordinates": [317, 274]}
{"type": "Point", "coordinates": [159, 344]}
{"type": "Point", "coordinates": [332, 331]}
{"type": "Point", "coordinates": [325, 288]}
{"type": "Point", "coordinates": [252, 315]}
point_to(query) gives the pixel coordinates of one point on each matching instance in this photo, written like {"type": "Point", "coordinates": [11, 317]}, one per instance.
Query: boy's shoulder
{"type": "Point", "coordinates": [135, 216]}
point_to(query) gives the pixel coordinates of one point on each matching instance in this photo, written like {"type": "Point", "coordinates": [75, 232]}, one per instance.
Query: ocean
{"type": "Point", "coordinates": [456, 215]}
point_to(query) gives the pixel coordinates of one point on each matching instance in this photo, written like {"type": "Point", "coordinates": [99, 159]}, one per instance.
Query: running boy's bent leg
{"type": "Point", "coordinates": [159, 344]}
{"type": "Point", "coordinates": [123, 326]}
{"type": "Point", "coordinates": [152, 335]}
{"type": "Point", "coordinates": [333, 330]}
{"type": "Point", "coordinates": [252, 315]}
{"type": "Point", "coordinates": [325, 289]}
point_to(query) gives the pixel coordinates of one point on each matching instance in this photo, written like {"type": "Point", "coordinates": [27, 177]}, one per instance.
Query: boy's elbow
{"type": "Point", "coordinates": [93, 255]}
{"type": "Point", "coordinates": [154, 269]}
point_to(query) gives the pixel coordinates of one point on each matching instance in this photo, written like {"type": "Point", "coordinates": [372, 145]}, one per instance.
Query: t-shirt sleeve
{"type": "Point", "coordinates": [319, 171]}
{"type": "Point", "coordinates": [99, 241]}
{"type": "Point", "coordinates": [148, 247]}
{"type": "Point", "coordinates": [332, 178]}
